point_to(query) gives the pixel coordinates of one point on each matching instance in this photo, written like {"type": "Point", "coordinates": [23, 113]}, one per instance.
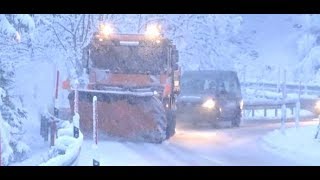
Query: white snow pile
{"type": "Point", "coordinates": [298, 144]}
{"type": "Point", "coordinates": [66, 149]}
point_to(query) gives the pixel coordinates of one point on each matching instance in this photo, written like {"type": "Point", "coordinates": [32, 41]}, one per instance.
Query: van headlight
{"type": "Point", "coordinates": [209, 104]}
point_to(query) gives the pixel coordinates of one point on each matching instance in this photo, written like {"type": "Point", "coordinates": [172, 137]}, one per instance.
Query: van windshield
{"type": "Point", "coordinates": [212, 85]}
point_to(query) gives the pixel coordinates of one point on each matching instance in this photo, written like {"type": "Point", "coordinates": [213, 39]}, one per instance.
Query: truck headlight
{"type": "Point", "coordinates": [106, 29]}
{"type": "Point", "coordinates": [241, 104]}
{"type": "Point", "coordinates": [210, 104]}
{"type": "Point", "coordinates": [153, 31]}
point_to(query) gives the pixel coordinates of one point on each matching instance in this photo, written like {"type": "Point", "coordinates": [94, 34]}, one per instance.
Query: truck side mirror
{"type": "Point", "coordinates": [176, 55]}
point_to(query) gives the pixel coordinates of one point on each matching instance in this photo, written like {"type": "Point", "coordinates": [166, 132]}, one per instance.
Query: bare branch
{"type": "Point", "coordinates": [56, 34]}
{"type": "Point", "coordinates": [66, 29]}
{"type": "Point", "coordinates": [87, 31]}
{"type": "Point", "coordinates": [77, 27]}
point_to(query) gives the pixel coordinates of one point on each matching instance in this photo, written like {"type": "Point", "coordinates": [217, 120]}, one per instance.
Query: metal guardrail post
{"type": "Point", "coordinates": [278, 80]}
{"type": "Point", "coordinates": [76, 98]}
{"type": "Point", "coordinates": [53, 125]}
{"type": "Point", "coordinates": [318, 130]}
{"type": "Point", "coordinates": [53, 129]}
{"type": "Point", "coordinates": [297, 113]}
{"type": "Point", "coordinates": [76, 124]}
{"type": "Point", "coordinates": [284, 109]}
{"type": "Point", "coordinates": [76, 117]}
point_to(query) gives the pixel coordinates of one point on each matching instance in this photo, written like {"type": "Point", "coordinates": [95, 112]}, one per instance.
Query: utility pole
{"type": "Point", "coordinates": [76, 117]}
{"type": "Point", "coordinates": [297, 118]}
{"type": "Point", "coordinates": [95, 161]}
{"type": "Point", "coordinates": [1, 125]}
{"type": "Point", "coordinates": [284, 109]}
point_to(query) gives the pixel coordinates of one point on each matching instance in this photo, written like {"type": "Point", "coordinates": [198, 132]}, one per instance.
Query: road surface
{"type": "Point", "coordinates": [194, 147]}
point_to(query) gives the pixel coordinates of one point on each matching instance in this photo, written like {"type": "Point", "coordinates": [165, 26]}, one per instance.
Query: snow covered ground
{"type": "Point", "coordinates": [140, 154]}
{"type": "Point", "coordinates": [194, 147]}
{"type": "Point", "coordinates": [38, 150]}
{"type": "Point", "coordinates": [298, 144]}
{"type": "Point", "coordinates": [254, 143]}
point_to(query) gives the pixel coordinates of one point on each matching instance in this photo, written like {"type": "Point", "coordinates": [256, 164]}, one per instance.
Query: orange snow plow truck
{"type": "Point", "coordinates": [136, 80]}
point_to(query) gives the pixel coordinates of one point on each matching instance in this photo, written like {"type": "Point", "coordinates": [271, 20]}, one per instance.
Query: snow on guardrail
{"type": "Point", "coordinates": [66, 149]}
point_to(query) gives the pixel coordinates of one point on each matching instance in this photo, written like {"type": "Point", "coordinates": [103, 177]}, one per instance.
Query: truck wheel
{"type": "Point", "coordinates": [171, 120]}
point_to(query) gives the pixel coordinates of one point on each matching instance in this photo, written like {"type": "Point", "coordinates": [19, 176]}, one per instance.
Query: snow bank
{"type": "Point", "coordinates": [298, 144]}
{"type": "Point", "coordinates": [66, 149]}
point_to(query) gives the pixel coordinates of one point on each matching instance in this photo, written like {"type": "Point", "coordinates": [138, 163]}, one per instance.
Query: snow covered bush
{"type": "Point", "coordinates": [309, 67]}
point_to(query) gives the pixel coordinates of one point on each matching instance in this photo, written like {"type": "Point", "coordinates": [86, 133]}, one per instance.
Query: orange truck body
{"type": "Point", "coordinates": [136, 86]}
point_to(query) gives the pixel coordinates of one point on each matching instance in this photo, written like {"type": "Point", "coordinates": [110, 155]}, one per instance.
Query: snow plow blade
{"type": "Point", "coordinates": [124, 117]}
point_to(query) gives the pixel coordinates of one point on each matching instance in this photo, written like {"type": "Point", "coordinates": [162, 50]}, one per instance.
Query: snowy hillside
{"type": "Point", "coordinates": [283, 42]}
{"type": "Point", "coordinates": [275, 39]}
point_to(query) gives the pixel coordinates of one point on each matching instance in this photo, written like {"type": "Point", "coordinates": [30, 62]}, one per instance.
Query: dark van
{"type": "Point", "coordinates": [211, 96]}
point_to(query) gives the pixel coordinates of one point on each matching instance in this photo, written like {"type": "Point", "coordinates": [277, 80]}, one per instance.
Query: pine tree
{"type": "Point", "coordinates": [12, 114]}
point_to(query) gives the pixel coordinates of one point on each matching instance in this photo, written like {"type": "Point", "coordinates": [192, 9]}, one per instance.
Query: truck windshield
{"type": "Point", "coordinates": [130, 59]}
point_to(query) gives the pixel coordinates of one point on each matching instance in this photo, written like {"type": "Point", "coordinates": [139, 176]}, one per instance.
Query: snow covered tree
{"type": "Point", "coordinates": [68, 35]}
{"type": "Point", "coordinates": [308, 47]}
{"type": "Point", "coordinates": [204, 41]}
{"type": "Point", "coordinates": [15, 49]}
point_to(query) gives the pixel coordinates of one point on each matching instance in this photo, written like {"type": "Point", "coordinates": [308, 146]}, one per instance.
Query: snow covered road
{"type": "Point", "coordinates": [194, 147]}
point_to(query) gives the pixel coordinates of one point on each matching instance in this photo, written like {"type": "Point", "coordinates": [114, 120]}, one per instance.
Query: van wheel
{"type": "Point", "coordinates": [236, 122]}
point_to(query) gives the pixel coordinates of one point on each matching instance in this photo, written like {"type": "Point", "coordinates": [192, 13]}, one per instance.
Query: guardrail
{"type": "Point", "coordinates": [267, 105]}
{"type": "Point", "coordinates": [67, 148]}
{"type": "Point", "coordinates": [291, 87]}
{"type": "Point", "coordinates": [67, 140]}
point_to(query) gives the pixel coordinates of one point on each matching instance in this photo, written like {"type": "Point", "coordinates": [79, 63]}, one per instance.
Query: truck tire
{"type": "Point", "coordinates": [171, 124]}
